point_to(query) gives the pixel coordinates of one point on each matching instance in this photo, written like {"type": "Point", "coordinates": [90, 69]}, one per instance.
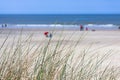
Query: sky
{"type": "Point", "coordinates": [59, 6]}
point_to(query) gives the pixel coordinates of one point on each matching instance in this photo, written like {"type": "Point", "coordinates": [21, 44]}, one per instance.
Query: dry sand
{"type": "Point", "coordinates": [98, 42]}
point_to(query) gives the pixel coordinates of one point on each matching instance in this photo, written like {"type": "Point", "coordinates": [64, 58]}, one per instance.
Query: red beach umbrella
{"type": "Point", "coordinates": [45, 33]}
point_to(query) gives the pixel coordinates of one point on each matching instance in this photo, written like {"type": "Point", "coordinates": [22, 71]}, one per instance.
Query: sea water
{"type": "Point", "coordinates": [71, 21]}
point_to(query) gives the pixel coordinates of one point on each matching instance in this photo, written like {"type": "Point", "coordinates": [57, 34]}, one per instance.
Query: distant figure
{"type": "Point", "coordinates": [93, 30]}
{"type": "Point", "coordinates": [81, 28]}
{"type": "Point", "coordinates": [119, 27]}
{"type": "Point", "coordinates": [50, 35]}
{"type": "Point", "coordinates": [4, 25]}
{"type": "Point", "coordinates": [47, 34]}
{"type": "Point", "coordinates": [86, 28]}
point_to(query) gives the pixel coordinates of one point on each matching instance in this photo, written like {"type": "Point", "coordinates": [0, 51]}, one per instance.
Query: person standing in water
{"type": "Point", "coordinates": [81, 28]}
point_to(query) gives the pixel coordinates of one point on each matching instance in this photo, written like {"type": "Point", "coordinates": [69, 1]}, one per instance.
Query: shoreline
{"type": "Point", "coordinates": [57, 29]}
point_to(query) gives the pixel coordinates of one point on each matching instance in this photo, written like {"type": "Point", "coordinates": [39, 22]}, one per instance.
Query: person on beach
{"type": "Point", "coordinates": [81, 28]}
{"type": "Point", "coordinates": [119, 27]}
{"type": "Point", "coordinates": [4, 25]}
{"type": "Point", "coordinates": [50, 35]}
{"type": "Point", "coordinates": [47, 34]}
{"type": "Point", "coordinates": [86, 28]}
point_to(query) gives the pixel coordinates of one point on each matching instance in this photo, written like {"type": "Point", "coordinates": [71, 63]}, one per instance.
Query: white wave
{"type": "Point", "coordinates": [90, 26]}
{"type": "Point", "coordinates": [101, 25]}
{"type": "Point", "coordinates": [44, 25]}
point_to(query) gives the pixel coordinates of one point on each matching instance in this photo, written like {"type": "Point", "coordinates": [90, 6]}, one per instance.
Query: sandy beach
{"type": "Point", "coordinates": [98, 42]}
{"type": "Point", "coordinates": [60, 40]}
{"type": "Point", "coordinates": [30, 44]}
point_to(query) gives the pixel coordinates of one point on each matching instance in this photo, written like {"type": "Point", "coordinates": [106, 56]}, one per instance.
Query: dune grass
{"type": "Point", "coordinates": [22, 60]}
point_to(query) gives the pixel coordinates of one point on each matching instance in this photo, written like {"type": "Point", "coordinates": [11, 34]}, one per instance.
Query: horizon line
{"type": "Point", "coordinates": [66, 14]}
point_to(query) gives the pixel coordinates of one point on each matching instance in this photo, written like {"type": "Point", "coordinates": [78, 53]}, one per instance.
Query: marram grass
{"type": "Point", "coordinates": [23, 60]}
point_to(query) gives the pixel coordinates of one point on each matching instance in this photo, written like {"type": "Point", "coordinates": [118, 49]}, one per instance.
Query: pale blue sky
{"type": "Point", "coordinates": [59, 6]}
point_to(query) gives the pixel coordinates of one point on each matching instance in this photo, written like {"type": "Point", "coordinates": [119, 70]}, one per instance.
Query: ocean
{"type": "Point", "coordinates": [99, 21]}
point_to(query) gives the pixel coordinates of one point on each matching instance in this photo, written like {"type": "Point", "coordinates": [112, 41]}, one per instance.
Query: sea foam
{"type": "Point", "coordinates": [70, 26]}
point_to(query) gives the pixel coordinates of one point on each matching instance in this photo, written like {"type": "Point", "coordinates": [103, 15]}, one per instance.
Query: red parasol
{"type": "Point", "coordinates": [45, 33]}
